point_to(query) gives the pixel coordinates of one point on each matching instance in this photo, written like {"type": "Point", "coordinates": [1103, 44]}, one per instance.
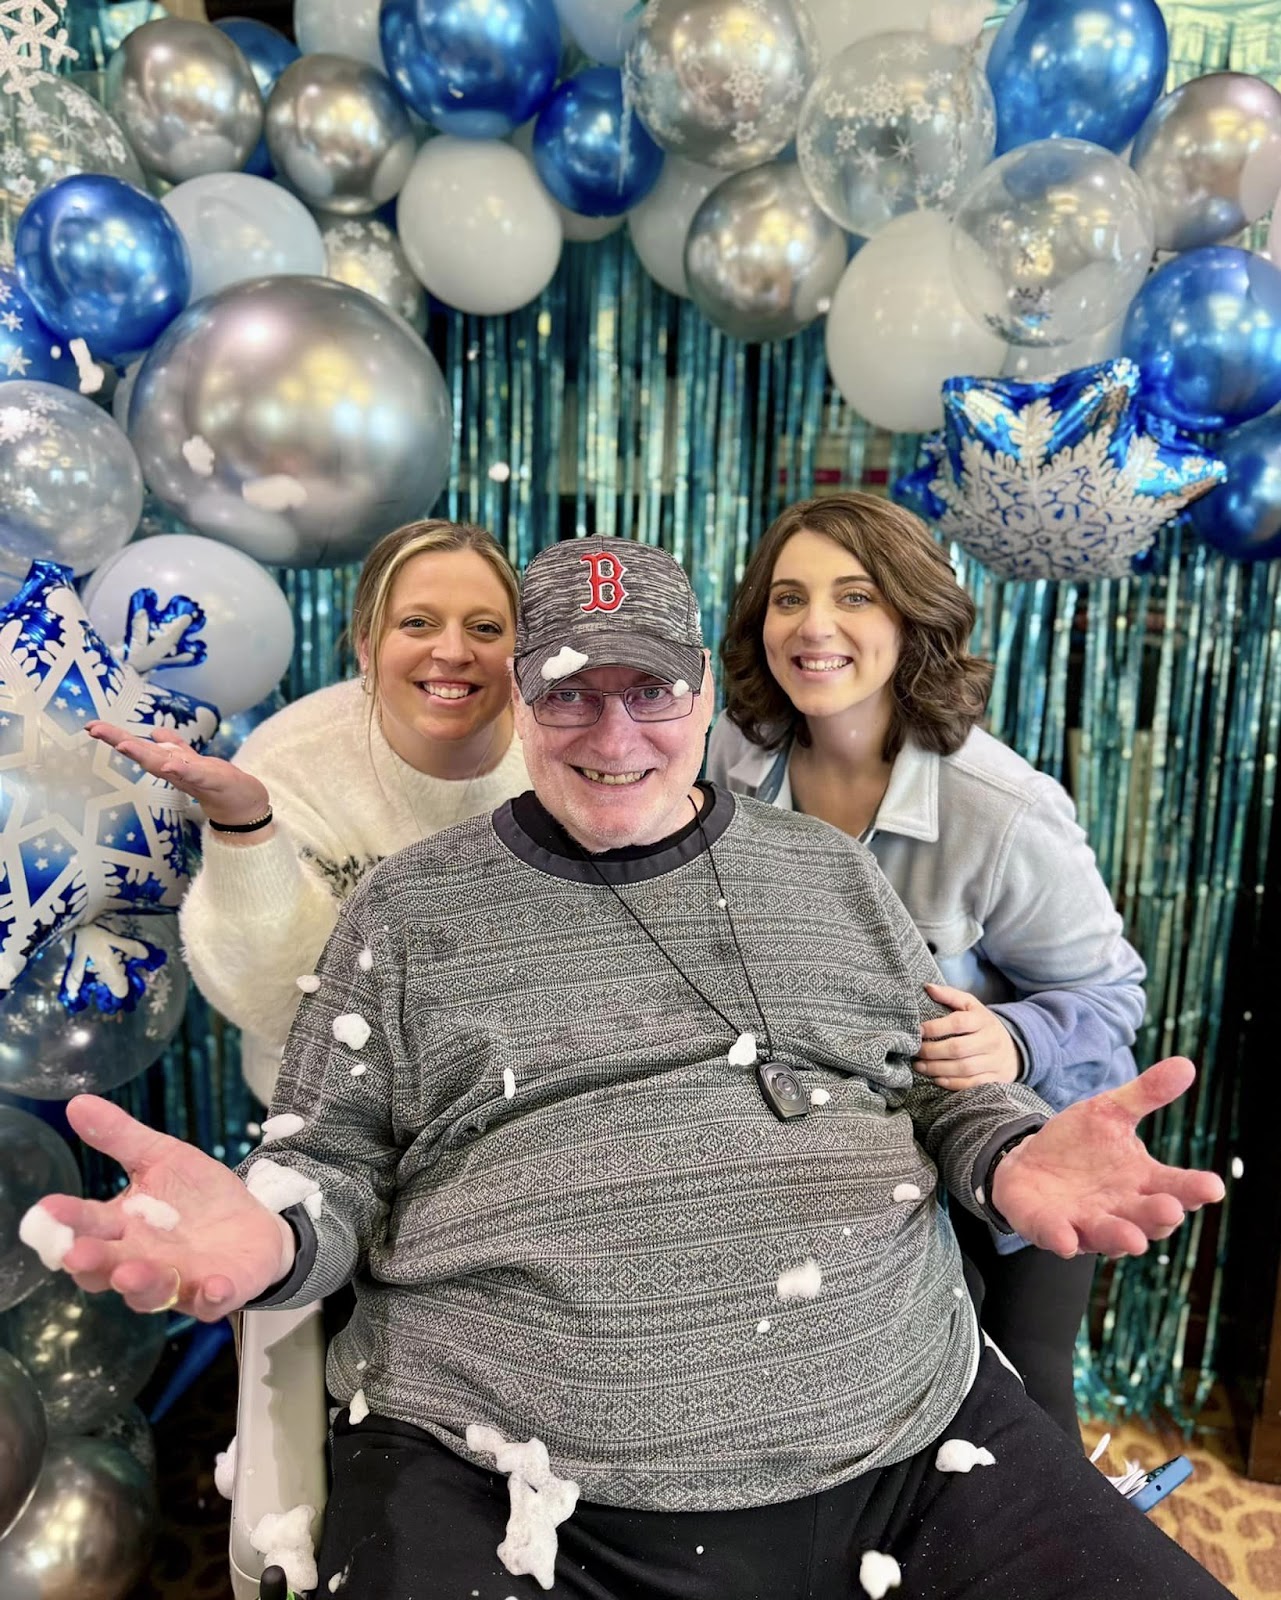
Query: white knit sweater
{"type": "Point", "coordinates": [257, 916]}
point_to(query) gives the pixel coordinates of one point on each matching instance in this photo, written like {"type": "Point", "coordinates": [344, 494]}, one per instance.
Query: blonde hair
{"type": "Point", "coordinates": [388, 557]}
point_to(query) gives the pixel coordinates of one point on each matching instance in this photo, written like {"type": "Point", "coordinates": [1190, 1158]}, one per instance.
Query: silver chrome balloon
{"type": "Point", "coordinates": [87, 1354]}
{"type": "Point", "coordinates": [88, 1531]}
{"type": "Point", "coordinates": [186, 97]}
{"type": "Point", "coordinates": [367, 255]}
{"type": "Point", "coordinates": [34, 1161]}
{"type": "Point", "coordinates": [70, 484]}
{"type": "Point", "coordinates": [721, 81]}
{"type": "Point", "coordinates": [1209, 156]}
{"type": "Point", "coordinates": [338, 134]}
{"type": "Point", "coordinates": [762, 260]}
{"type": "Point", "coordinates": [23, 1432]}
{"type": "Point", "coordinates": [326, 420]}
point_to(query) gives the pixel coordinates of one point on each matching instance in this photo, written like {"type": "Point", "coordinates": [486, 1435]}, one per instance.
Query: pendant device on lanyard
{"type": "Point", "coordinates": [780, 1088]}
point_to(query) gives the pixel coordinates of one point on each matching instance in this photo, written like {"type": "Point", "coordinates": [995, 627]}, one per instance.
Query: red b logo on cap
{"type": "Point", "coordinates": [606, 579]}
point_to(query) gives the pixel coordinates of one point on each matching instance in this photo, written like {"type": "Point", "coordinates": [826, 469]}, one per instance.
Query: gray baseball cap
{"type": "Point", "coordinates": [610, 603]}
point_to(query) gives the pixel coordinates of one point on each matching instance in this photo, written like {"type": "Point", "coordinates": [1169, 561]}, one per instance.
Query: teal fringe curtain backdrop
{"type": "Point", "coordinates": [609, 407]}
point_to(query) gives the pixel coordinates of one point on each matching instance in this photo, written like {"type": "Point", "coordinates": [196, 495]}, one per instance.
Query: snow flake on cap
{"type": "Point", "coordinates": [563, 663]}
{"type": "Point", "coordinates": [352, 1030]}
{"type": "Point", "coordinates": [878, 1574]}
{"type": "Point", "coordinates": [959, 1455]}
{"type": "Point", "coordinates": [680, 687]}
{"type": "Point", "coordinates": [800, 1283]}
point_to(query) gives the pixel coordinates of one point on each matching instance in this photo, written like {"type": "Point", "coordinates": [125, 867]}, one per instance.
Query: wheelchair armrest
{"type": "Point", "coordinates": [282, 1423]}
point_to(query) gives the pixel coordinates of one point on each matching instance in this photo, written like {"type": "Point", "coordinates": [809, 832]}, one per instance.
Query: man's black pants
{"type": "Point", "coordinates": [409, 1520]}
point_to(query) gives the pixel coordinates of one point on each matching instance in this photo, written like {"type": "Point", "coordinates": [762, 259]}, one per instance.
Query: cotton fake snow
{"type": "Point", "coordinates": [540, 1502]}
{"type": "Point", "coordinates": [352, 1030]}
{"type": "Point", "coordinates": [763, 1326]}
{"type": "Point", "coordinates": [959, 1455]}
{"type": "Point", "coordinates": [338, 1579]}
{"type": "Point", "coordinates": [278, 1187]}
{"type": "Point", "coordinates": [680, 687]}
{"type": "Point", "coordinates": [878, 1574]}
{"type": "Point", "coordinates": [313, 1204]}
{"type": "Point", "coordinates": [276, 492]}
{"type": "Point", "coordinates": [283, 1539]}
{"type": "Point", "coordinates": [282, 1126]}
{"type": "Point", "coordinates": [359, 1070]}
{"type": "Point", "coordinates": [225, 1470]}
{"type": "Point", "coordinates": [365, 960]}
{"type": "Point", "coordinates": [87, 369]}
{"type": "Point", "coordinates": [563, 663]}
{"type": "Point", "coordinates": [800, 1283]}
{"type": "Point", "coordinates": [308, 983]}
{"type": "Point", "coordinates": [819, 1097]}
{"type": "Point", "coordinates": [742, 1053]}
{"type": "Point", "coordinates": [358, 1409]}
{"type": "Point", "coordinates": [361, 1364]}
{"type": "Point", "coordinates": [1238, 1167]}
{"type": "Point", "coordinates": [906, 1191]}
{"type": "Point", "coordinates": [49, 1238]}
{"type": "Point", "coordinates": [198, 454]}
{"type": "Point", "coordinates": [155, 1213]}
{"type": "Point", "coordinates": [509, 1083]}
{"type": "Point", "coordinates": [1099, 1448]}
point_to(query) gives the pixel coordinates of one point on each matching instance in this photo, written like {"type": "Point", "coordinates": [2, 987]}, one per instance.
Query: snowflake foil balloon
{"type": "Point", "coordinates": [1059, 479]}
{"type": "Point", "coordinates": [83, 830]}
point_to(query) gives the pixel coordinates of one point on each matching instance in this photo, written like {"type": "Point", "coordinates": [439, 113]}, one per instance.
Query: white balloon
{"type": "Point", "coordinates": [897, 327]}
{"type": "Point", "coordinates": [238, 226]}
{"type": "Point", "coordinates": [478, 228]}
{"type": "Point", "coordinates": [339, 28]}
{"type": "Point", "coordinates": [249, 628]}
{"type": "Point", "coordinates": [838, 23]}
{"type": "Point", "coordinates": [602, 29]}
{"type": "Point", "coordinates": [659, 225]}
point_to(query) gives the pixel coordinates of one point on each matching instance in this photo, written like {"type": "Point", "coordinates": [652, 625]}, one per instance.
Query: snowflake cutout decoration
{"type": "Point", "coordinates": [27, 37]}
{"type": "Point", "coordinates": [1058, 479]}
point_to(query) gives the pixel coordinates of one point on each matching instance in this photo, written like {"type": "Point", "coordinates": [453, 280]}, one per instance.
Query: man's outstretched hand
{"type": "Point", "coordinates": [1085, 1181]}
{"type": "Point", "coordinates": [224, 1249]}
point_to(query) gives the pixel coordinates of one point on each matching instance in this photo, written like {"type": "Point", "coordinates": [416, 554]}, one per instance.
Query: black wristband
{"type": "Point", "coordinates": [240, 827]}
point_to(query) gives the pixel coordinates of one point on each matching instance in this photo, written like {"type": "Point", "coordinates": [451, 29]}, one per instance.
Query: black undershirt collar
{"type": "Point", "coordinates": [533, 835]}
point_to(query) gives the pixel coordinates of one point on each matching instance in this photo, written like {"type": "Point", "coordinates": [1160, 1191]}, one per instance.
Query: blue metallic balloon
{"type": "Point", "coordinates": [591, 150]}
{"type": "Point", "coordinates": [268, 54]}
{"type": "Point", "coordinates": [475, 68]}
{"type": "Point", "coordinates": [27, 344]}
{"type": "Point", "coordinates": [1078, 69]}
{"type": "Point", "coordinates": [1243, 517]}
{"type": "Point", "coordinates": [1056, 479]}
{"type": "Point", "coordinates": [104, 262]}
{"type": "Point", "coordinates": [1205, 330]}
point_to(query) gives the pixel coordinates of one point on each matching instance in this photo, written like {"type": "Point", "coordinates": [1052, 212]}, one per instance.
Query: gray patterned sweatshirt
{"type": "Point", "coordinates": [566, 1213]}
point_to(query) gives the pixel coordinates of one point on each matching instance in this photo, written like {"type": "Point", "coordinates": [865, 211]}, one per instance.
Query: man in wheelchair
{"type": "Point", "coordinates": [605, 1106]}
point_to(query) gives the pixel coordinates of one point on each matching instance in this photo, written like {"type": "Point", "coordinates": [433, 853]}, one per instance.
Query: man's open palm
{"type": "Point", "coordinates": [1085, 1181]}
{"type": "Point", "coordinates": [225, 1247]}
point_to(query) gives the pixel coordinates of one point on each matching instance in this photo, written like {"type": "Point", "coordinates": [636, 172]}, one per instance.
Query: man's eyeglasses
{"type": "Point", "coordinates": [579, 708]}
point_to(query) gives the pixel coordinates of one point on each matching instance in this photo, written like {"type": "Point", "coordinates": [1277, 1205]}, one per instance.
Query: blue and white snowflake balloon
{"type": "Point", "coordinates": [83, 830]}
{"type": "Point", "coordinates": [1057, 479]}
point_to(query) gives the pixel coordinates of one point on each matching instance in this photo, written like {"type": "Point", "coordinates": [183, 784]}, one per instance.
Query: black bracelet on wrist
{"type": "Point", "coordinates": [999, 1155]}
{"type": "Point", "coordinates": [241, 827]}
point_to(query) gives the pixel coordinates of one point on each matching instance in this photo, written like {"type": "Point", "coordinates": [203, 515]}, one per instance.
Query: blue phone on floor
{"type": "Point", "coordinates": [1160, 1482]}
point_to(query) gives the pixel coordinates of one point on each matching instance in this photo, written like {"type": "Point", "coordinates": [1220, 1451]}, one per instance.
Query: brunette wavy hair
{"type": "Point", "coordinates": [940, 689]}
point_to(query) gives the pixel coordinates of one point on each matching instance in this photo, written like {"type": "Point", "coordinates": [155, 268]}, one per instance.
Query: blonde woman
{"type": "Point", "coordinates": [326, 788]}
{"type": "Point", "coordinates": [851, 695]}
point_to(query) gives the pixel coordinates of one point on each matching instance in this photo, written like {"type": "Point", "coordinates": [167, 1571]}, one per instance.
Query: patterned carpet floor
{"type": "Point", "coordinates": [1229, 1524]}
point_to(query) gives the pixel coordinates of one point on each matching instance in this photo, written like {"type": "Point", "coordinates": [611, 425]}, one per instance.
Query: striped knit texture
{"type": "Point", "coordinates": [590, 1260]}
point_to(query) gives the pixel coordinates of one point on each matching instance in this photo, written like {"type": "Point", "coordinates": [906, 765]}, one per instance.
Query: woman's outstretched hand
{"type": "Point", "coordinates": [226, 793]}
{"type": "Point", "coordinates": [1085, 1181]}
{"type": "Point", "coordinates": [223, 1249]}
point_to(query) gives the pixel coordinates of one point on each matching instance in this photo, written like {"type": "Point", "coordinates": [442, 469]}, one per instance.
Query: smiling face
{"type": "Point", "coordinates": [616, 782]}
{"type": "Point", "coordinates": [831, 639]}
{"type": "Point", "coordinates": [442, 660]}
